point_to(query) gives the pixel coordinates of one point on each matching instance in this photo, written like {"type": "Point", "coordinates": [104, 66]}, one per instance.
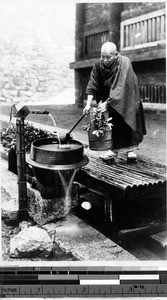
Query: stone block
{"type": "Point", "coordinates": [30, 242]}
{"type": "Point", "coordinates": [9, 188]}
{"type": "Point", "coordinates": [9, 209]}
{"type": "Point", "coordinates": [43, 210]}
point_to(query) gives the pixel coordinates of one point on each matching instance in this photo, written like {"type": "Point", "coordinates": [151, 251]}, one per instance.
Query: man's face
{"type": "Point", "coordinates": [107, 57]}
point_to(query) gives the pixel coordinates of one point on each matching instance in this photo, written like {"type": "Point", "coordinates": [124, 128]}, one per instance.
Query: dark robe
{"type": "Point", "coordinates": [118, 85]}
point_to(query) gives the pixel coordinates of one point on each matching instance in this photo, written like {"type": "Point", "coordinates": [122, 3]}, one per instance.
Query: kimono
{"type": "Point", "coordinates": [119, 86]}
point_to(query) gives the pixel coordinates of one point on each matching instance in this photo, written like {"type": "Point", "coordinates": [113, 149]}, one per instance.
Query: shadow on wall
{"type": "Point", "coordinates": [36, 47]}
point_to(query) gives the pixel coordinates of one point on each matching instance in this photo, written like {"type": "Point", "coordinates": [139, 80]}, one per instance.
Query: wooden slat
{"type": "Point", "coordinates": [131, 35]}
{"type": "Point", "coordinates": [153, 30]}
{"type": "Point", "coordinates": [145, 31]}
{"type": "Point", "coordinates": [155, 94]}
{"type": "Point", "coordinates": [158, 95]}
{"type": "Point", "coordinates": [163, 94]}
{"type": "Point", "coordinates": [126, 36]}
{"type": "Point", "coordinates": [141, 92]}
{"type": "Point", "coordinates": [141, 31]}
{"type": "Point", "coordinates": [121, 37]}
{"type": "Point", "coordinates": [158, 29]}
{"type": "Point", "coordinates": [93, 44]}
{"type": "Point", "coordinates": [162, 27]}
{"type": "Point", "coordinates": [135, 32]}
{"type": "Point", "coordinates": [145, 92]}
{"type": "Point", "coordinates": [149, 29]}
{"type": "Point", "coordinates": [98, 43]}
{"type": "Point", "coordinates": [152, 95]}
{"type": "Point", "coordinates": [149, 94]}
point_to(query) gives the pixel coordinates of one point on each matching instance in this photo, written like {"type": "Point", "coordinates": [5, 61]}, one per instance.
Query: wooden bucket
{"type": "Point", "coordinates": [101, 142]}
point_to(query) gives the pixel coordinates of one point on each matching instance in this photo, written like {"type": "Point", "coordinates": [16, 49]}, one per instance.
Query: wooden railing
{"type": "Point", "coordinates": [153, 94]}
{"type": "Point", "coordinates": [94, 42]}
{"type": "Point", "coordinates": [143, 31]}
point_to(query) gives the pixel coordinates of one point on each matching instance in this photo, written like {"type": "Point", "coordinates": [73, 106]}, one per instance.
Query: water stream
{"type": "Point", "coordinates": [67, 187]}
{"type": "Point", "coordinates": [55, 125]}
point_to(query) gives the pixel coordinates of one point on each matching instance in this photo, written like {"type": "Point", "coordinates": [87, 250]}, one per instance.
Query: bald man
{"type": "Point", "coordinates": [113, 84]}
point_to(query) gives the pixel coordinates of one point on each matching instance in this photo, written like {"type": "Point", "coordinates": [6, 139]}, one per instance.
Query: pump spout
{"type": "Point", "coordinates": [22, 111]}
{"type": "Point", "coordinates": [19, 111]}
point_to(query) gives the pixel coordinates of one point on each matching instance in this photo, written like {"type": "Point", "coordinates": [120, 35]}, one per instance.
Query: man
{"type": "Point", "coordinates": [114, 85]}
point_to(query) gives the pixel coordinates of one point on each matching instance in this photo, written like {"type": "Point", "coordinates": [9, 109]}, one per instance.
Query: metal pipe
{"type": "Point", "coordinates": [21, 169]}
{"type": "Point", "coordinates": [40, 112]}
{"type": "Point", "coordinates": [20, 112]}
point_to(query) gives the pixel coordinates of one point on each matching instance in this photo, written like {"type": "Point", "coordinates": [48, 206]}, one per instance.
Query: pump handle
{"type": "Point", "coordinates": [68, 134]}
{"type": "Point", "coordinates": [76, 123]}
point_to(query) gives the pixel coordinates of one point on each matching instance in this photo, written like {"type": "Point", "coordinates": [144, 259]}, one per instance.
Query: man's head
{"type": "Point", "coordinates": [108, 53]}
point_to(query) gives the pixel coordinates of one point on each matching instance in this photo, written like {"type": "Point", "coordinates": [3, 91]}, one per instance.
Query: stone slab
{"type": "Point", "coordinates": [86, 243]}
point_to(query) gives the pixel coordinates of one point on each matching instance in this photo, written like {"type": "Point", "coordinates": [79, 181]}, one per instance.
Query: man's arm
{"type": "Point", "coordinates": [87, 108]}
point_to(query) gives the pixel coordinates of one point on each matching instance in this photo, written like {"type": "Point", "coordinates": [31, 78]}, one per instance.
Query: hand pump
{"type": "Point", "coordinates": [21, 112]}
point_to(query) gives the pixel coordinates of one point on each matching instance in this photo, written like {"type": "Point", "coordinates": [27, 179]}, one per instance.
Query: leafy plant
{"type": "Point", "coordinates": [8, 135]}
{"type": "Point", "coordinates": [99, 122]}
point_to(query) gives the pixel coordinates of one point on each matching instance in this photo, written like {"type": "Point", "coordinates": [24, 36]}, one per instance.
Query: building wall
{"type": "Point", "coordinates": [150, 72]}
{"type": "Point", "coordinates": [131, 10]}
{"type": "Point", "coordinates": [101, 14]}
{"type": "Point", "coordinates": [36, 46]}
{"type": "Point", "coordinates": [98, 14]}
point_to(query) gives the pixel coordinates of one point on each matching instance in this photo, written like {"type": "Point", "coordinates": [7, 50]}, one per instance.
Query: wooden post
{"type": "Point", "coordinates": [79, 32]}
{"type": "Point", "coordinates": [21, 169]}
{"type": "Point", "coordinates": [79, 50]}
{"type": "Point", "coordinates": [115, 20]}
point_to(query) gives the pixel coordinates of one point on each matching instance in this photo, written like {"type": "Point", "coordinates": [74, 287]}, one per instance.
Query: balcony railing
{"type": "Point", "coordinates": [143, 31]}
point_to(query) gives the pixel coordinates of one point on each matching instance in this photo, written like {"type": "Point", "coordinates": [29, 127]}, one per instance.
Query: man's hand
{"type": "Point", "coordinates": [86, 110]}
{"type": "Point", "coordinates": [103, 106]}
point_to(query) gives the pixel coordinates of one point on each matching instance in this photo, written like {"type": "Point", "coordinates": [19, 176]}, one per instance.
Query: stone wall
{"type": "Point", "coordinates": [36, 47]}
